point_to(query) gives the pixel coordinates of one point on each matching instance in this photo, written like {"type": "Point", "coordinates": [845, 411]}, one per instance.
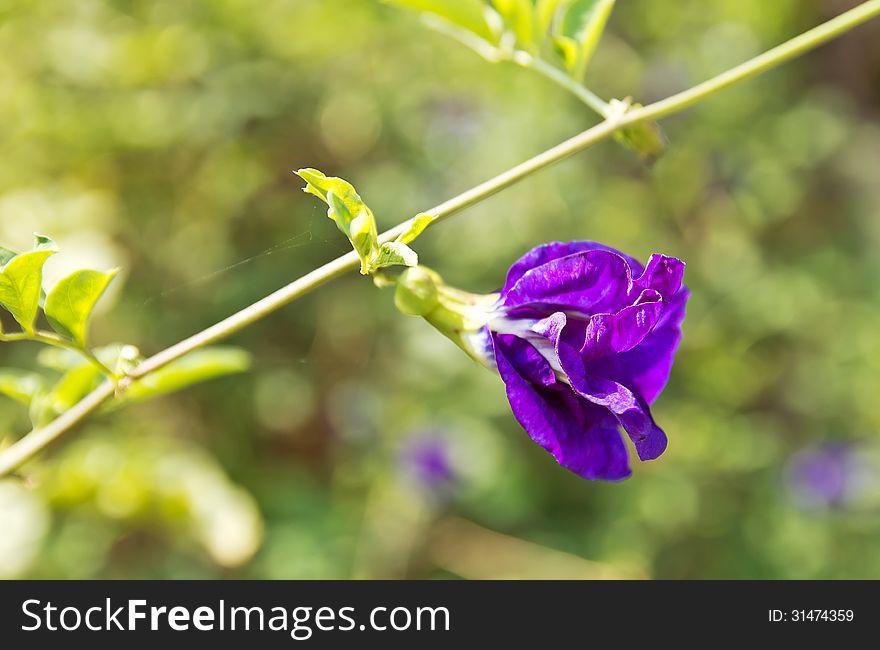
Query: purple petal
{"type": "Point", "coordinates": [554, 250]}
{"type": "Point", "coordinates": [582, 437]}
{"type": "Point", "coordinates": [662, 274]}
{"type": "Point", "coordinates": [631, 410]}
{"type": "Point", "coordinates": [646, 367]}
{"type": "Point", "coordinates": [614, 333]}
{"type": "Point", "coordinates": [588, 282]}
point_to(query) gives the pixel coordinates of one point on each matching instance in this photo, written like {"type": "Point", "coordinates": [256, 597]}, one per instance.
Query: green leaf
{"type": "Point", "coordinates": [74, 384]}
{"type": "Point", "coordinates": [645, 138]}
{"type": "Point", "coordinates": [545, 12]}
{"type": "Point", "coordinates": [416, 226]}
{"type": "Point", "coordinates": [518, 17]}
{"type": "Point", "coordinates": [20, 385]}
{"type": "Point", "coordinates": [70, 303]}
{"type": "Point", "coordinates": [395, 253]}
{"type": "Point", "coordinates": [468, 14]}
{"type": "Point", "coordinates": [194, 368]}
{"type": "Point", "coordinates": [346, 208]}
{"type": "Point", "coordinates": [6, 255]}
{"type": "Point", "coordinates": [359, 227]}
{"type": "Point", "coordinates": [21, 279]}
{"type": "Point", "coordinates": [582, 24]}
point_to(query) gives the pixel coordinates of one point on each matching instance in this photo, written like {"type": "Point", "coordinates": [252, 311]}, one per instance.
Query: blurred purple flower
{"type": "Point", "coordinates": [427, 459]}
{"type": "Point", "coordinates": [825, 476]}
{"type": "Point", "coordinates": [584, 340]}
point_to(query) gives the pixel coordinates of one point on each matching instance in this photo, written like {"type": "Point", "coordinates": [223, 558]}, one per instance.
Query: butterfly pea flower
{"type": "Point", "coordinates": [583, 337]}
{"type": "Point", "coordinates": [427, 460]}
{"type": "Point", "coordinates": [833, 475]}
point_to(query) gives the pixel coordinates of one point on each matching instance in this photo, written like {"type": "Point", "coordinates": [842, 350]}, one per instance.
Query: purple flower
{"type": "Point", "coordinates": [427, 459]}
{"type": "Point", "coordinates": [825, 476]}
{"type": "Point", "coordinates": [583, 337]}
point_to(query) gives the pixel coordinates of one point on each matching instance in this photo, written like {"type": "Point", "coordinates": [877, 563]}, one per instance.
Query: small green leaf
{"type": "Point", "coordinates": [583, 22]}
{"type": "Point", "coordinates": [468, 14]}
{"type": "Point", "coordinates": [545, 12]}
{"type": "Point", "coordinates": [319, 184]}
{"type": "Point", "coordinates": [194, 368]}
{"type": "Point", "coordinates": [518, 18]}
{"type": "Point", "coordinates": [395, 253]}
{"type": "Point", "coordinates": [359, 227]}
{"type": "Point", "coordinates": [647, 139]}
{"type": "Point", "coordinates": [346, 208]}
{"type": "Point", "coordinates": [569, 50]}
{"type": "Point", "coordinates": [6, 255]}
{"type": "Point", "coordinates": [21, 279]}
{"type": "Point", "coordinates": [20, 385]}
{"type": "Point", "coordinates": [70, 303]}
{"type": "Point", "coordinates": [74, 384]}
{"type": "Point", "coordinates": [416, 226]}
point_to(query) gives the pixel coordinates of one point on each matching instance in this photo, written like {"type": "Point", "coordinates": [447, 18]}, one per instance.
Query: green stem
{"type": "Point", "coordinates": [30, 445]}
{"type": "Point", "coordinates": [561, 78]}
{"type": "Point", "coordinates": [50, 338]}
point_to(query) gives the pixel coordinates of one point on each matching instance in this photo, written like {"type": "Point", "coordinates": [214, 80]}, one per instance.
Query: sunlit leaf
{"type": "Point", "coordinates": [582, 24]}
{"type": "Point", "coordinates": [468, 14]}
{"type": "Point", "coordinates": [346, 208]}
{"type": "Point", "coordinates": [519, 19]}
{"type": "Point", "coordinates": [70, 303]}
{"type": "Point", "coordinates": [645, 138]}
{"type": "Point", "coordinates": [395, 253]}
{"type": "Point", "coordinates": [545, 11]}
{"type": "Point", "coordinates": [6, 255]}
{"type": "Point", "coordinates": [62, 359]}
{"type": "Point", "coordinates": [416, 226]}
{"type": "Point", "coordinates": [72, 387]}
{"type": "Point", "coordinates": [20, 385]}
{"type": "Point", "coordinates": [194, 368]}
{"type": "Point", "coordinates": [21, 279]}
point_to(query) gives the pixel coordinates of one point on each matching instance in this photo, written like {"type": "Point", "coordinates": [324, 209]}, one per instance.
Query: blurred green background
{"type": "Point", "coordinates": [159, 135]}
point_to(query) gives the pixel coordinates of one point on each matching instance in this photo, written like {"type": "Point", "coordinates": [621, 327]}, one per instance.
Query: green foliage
{"type": "Point", "coordinates": [20, 385]}
{"type": "Point", "coordinates": [580, 27]}
{"type": "Point", "coordinates": [194, 368]}
{"type": "Point", "coordinates": [559, 33]}
{"type": "Point", "coordinates": [356, 221]}
{"type": "Point", "coordinates": [395, 253]}
{"type": "Point", "coordinates": [346, 208]}
{"type": "Point", "coordinates": [21, 282]}
{"type": "Point", "coordinates": [415, 227]}
{"type": "Point", "coordinates": [468, 14]}
{"type": "Point", "coordinates": [79, 369]}
{"type": "Point", "coordinates": [646, 138]}
{"type": "Point", "coordinates": [70, 303]}
{"type": "Point", "coordinates": [518, 16]}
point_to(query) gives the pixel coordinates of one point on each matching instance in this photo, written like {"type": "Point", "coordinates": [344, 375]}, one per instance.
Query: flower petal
{"type": "Point", "coordinates": [554, 250]}
{"type": "Point", "coordinates": [587, 283]}
{"type": "Point", "coordinates": [662, 274]}
{"type": "Point", "coordinates": [630, 410]}
{"type": "Point", "coordinates": [646, 367]}
{"type": "Point", "coordinates": [581, 436]}
{"type": "Point", "coordinates": [614, 333]}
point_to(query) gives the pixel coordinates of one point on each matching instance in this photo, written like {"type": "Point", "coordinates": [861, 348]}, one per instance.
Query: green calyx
{"type": "Point", "coordinates": [455, 313]}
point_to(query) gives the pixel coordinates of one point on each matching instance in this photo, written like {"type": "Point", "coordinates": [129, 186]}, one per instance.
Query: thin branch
{"type": "Point", "coordinates": [30, 445]}
{"type": "Point", "coordinates": [14, 456]}
{"type": "Point", "coordinates": [50, 338]}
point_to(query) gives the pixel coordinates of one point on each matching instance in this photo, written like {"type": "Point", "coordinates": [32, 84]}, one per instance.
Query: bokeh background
{"type": "Point", "coordinates": [159, 135]}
